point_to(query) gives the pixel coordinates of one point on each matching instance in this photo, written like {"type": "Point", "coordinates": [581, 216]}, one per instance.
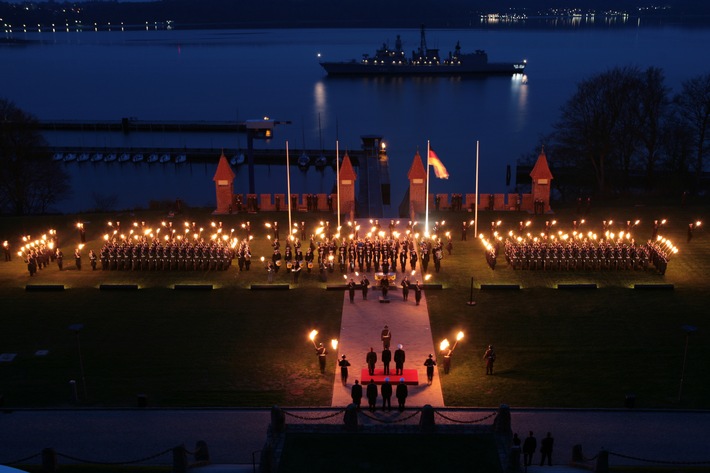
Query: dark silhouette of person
{"type": "Point", "coordinates": [372, 394]}
{"type": "Point", "coordinates": [371, 360]}
{"type": "Point", "coordinates": [356, 393]}
{"type": "Point", "coordinates": [386, 391]}
{"type": "Point", "coordinates": [546, 449]}
{"type": "Point", "coordinates": [386, 358]}
{"type": "Point", "coordinates": [529, 446]}
{"type": "Point", "coordinates": [429, 363]}
{"type": "Point", "coordinates": [399, 357]}
{"type": "Point", "coordinates": [490, 357]}
{"type": "Point", "coordinates": [402, 392]}
{"type": "Point", "coordinates": [343, 363]}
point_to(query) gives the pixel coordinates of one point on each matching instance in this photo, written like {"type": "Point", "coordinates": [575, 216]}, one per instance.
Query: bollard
{"type": "Point", "coordinates": [278, 420]}
{"type": "Point", "coordinates": [426, 421]}
{"type": "Point", "coordinates": [179, 459]}
{"type": "Point", "coordinates": [602, 462]}
{"type": "Point", "coordinates": [501, 424]}
{"type": "Point", "coordinates": [202, 453]}
{"type": "Point", "coordinates": [72, 387]}
{"type": "Point", "coordinates": [49, 460]}
{"type": "Point", "coordinates": [577, 456]}
{"type": "Point", "coordinates": [350, 418]}
{"type": "Point", "coordinates": [142, 400]}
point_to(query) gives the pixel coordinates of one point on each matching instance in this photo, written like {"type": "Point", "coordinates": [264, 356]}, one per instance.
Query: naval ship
{"type": "Point", "coordinates": [424, 61]}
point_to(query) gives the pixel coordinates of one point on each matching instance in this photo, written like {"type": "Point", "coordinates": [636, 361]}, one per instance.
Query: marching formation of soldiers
{"type": "Point", "coordinates": [148, 254]}
{"type": "Point", "coordinates": [581, 255]}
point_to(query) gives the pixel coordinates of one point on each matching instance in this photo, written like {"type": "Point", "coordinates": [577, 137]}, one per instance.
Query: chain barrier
{"type": "Point", "coordinates": [492, 414]}
{"type": "Point", "coordinates": [328, 416]}
{"type": "Point", "coordinates": [21, 460]}
{"type": "Point", "coordinates": [659, 461]}
{"type": "Point", "coordinates": [94, 462]}
{"type": "Point", "coordinates": [386, 421]}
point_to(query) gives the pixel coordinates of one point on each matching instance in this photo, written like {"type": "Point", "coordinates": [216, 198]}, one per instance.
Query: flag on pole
{"type": "Point", "coordinates": [439, 169]}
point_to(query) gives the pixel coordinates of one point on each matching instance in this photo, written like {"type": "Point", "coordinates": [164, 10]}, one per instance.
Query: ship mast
{"type": "Point", "coordinates": [422, 43]}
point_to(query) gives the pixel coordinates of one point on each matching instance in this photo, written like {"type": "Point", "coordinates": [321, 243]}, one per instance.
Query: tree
{"type": "Point", "coordinates": [693, 106]}
{"type": "Point", "coordinates": [653, 112]}
{"type": "Point", "coordinates": [30, 181]}
{"type": "Point", "coordinates": [595, 123]}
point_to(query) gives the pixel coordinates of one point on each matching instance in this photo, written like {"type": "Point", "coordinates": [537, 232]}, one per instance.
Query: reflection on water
{"type": "Point", "coordinates": [238, 75]}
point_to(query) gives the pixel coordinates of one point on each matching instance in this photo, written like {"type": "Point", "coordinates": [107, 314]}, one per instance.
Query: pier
{"type": "Point", "coordinates": [130, 124]}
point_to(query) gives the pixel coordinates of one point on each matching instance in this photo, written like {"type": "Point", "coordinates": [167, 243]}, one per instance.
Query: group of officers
{"type": "Point", "coordinates": [581, 255]}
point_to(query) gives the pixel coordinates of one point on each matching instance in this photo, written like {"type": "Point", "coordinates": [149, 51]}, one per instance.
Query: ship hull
{"type": "Point", "coordinates": [357, 69]}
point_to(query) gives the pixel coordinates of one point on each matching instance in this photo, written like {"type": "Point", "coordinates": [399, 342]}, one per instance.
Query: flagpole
{"type": "Point", "coordinates": [475, 214]}
{"type": "Point", "coordinates": [288, 189]}
{"type": "Point", "coordinates": [426, 195]}
{"type": "Point", "coordinates": [337, 176]}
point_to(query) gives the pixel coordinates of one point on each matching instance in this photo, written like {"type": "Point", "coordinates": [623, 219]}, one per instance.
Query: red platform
{"type": "Point", "coordinates": [410, 376]}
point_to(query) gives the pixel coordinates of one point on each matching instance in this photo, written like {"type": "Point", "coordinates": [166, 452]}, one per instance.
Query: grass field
{"type": "Point", "coordinates": [237, 347]}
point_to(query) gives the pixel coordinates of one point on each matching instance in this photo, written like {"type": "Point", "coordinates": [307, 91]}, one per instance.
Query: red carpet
{"type": "Point", "coordinates": [410, 376]}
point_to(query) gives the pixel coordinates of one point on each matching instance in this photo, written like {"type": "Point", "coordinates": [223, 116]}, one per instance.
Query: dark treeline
{"type": "Point", "coordinates": [322, 13]}
{"type": "Point", "coordinates": [625, 131]}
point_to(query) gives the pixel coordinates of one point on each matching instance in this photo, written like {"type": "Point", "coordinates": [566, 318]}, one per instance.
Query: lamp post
{"type": "Point", "coordinates": [688, 329]}
{"type": "Point", "coordinates": [77, 328]}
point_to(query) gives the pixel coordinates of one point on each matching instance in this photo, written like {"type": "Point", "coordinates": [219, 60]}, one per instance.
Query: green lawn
{"type": "Point", "coordinates": [237, 347]}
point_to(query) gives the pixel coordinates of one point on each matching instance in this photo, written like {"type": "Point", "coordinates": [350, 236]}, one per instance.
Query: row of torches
{"type": "Point", "coordinates": [443, 346]}
{"type": "Point", "coordinates": [618, 238]}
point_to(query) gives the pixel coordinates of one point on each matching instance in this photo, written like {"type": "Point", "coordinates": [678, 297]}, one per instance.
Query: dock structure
{"type": "Point", "coordinates": [128, 125]}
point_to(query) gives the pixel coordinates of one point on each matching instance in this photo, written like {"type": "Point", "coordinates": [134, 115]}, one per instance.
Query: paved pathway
{"type": "Point", "coordinates": [361, 327]}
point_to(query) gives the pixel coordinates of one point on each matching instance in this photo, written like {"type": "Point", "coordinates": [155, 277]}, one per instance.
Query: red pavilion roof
{"type": "Point", "coordinates": [346, 169]}
{"type": "Point", "coordinates": [541, 170]}
{"type": "Point", "coordinates": [417, 171]}
{"type": "Point", "coordinates": [224, 170]}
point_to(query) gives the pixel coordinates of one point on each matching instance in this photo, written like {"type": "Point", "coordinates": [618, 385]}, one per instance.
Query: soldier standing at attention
{"type": "Point", "coordinates": [386, 337]}
{"type": "Point", "coordinates": [351, 290]}
{"type": "Point", "coordinates": [321, 352]}
{"type": "Point", "coordinates": [405, 288]}
{"type": "Point", "coordinates": [371, 360]}
{"type": "Point", "coordinates": [490, 357]}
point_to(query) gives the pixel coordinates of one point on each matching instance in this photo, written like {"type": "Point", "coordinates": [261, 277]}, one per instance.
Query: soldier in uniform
{"type": "Point", "coordinates": [92, 259]}
{"type": "Point", "coordinates": [276, 260]}
{"type": "Point", "coordinates": [6, 250]}
{"type": "Point", "coordinates": [413, 259]}
{"type": "Point", "coordinates": [77, 258]}
{"type": "Point", "coordinates": [364, 284]}
{"type": "Point", "coordinates": [60, 259]}
{"type": "Point", "coordinates": [343, 363]}
{"type": "Point", "coordinates": [321, 352]}
{"type": "Point", "coordinates": [386, 337]}
{"type": "Point", "coordinates": [351, 290]}
{"type": "Point", "coordinates": [371, 360]}
{"type": "Point", "coordinates": [405, 288]}
{"type": "Point", "coordinates": [490, 357]}
{"type": "Point", "coordinates": [429, 363]}
{"type": "Point", "coordinates": [417, 292]}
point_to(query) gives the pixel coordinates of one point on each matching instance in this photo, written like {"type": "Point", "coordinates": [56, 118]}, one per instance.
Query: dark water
{"type": "Point", "coordinates": [238, 75]}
